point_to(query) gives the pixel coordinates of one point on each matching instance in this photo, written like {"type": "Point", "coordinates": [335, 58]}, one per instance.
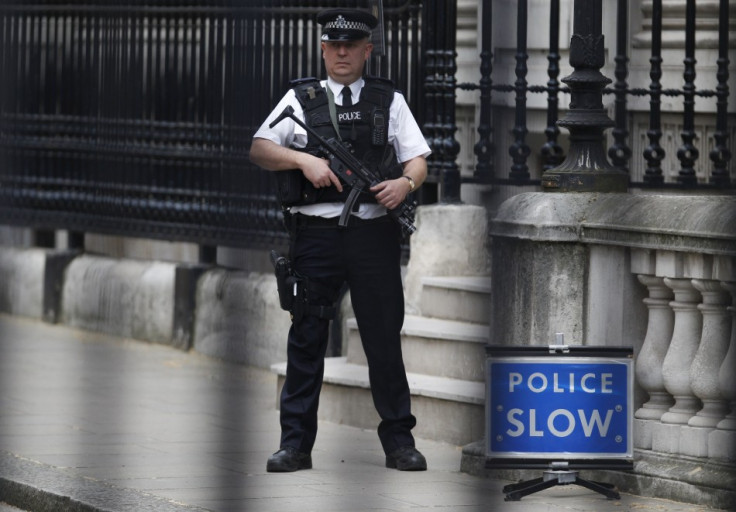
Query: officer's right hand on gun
{"type": "Point", "coordinates": [317, 171]}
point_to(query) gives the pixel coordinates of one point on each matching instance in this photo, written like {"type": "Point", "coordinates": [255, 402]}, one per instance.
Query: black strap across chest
{"type": "Point", "coordinates": [375, 102]}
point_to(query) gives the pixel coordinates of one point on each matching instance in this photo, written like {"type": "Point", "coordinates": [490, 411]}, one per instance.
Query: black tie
{"type": "Point", "coordinates": [346, 99]}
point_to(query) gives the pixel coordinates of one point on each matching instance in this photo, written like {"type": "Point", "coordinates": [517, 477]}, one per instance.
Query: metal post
{"type": "Point", "coordinates": [439, 24]}
{"type": "Point", "coordinates": [586, 168]}
{"type": "Point", "coordinates": [552, 152]}
{"type": "Point", "coordinates": [619, 152]}
{"type": "Point", "coordinates": [484, 149]}
{"type": "Point", "coordinates": [450, 189]}
{"type": "Point", "coordinates": [654, 153]}
{"type": "Point", "coordinates": [720, 155]}
{"type": "Point", "coordinates": [687, 153]}
{"type": "Point", "coordinates": [519, 150]}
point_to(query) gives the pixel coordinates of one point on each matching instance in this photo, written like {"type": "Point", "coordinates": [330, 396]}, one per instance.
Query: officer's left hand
{"type": "Point", "coordinates": [391, 193]}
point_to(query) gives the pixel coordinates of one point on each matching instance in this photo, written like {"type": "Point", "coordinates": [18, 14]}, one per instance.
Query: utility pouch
{"type": "Point", "coordinates": [289, 185]}
{"type": "Point", "coordinates": [293, 188]}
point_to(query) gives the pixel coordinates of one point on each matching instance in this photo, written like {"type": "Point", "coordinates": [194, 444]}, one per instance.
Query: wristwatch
{"type": "Point", "coordinates": [412, 185]}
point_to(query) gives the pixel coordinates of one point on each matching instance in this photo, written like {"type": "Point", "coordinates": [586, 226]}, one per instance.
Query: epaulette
{"type": "Point", "coordinates": [378, 91]}
{"type": "Point", "coordinates": [309, 92]}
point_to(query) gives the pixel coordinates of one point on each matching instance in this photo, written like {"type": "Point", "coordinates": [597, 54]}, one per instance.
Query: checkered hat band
{"type": "Point", "coordinates": [343, 24]}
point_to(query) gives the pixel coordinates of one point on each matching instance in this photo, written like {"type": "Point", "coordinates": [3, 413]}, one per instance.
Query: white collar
{"type": "Point", "coordinates": [336, 87]}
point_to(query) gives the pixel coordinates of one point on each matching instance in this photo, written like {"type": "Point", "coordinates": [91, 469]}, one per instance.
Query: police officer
{"type": "Point", "coordinates": [374, 120]}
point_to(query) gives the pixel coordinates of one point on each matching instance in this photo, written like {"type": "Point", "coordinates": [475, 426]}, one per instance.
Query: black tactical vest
{"type": "Point", "coordinates": [363, 127]}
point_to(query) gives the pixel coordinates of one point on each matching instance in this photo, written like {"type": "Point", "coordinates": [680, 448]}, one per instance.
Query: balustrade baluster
{"type": "Point", "coordinates": [654, 349]}
{"type": "Point", "coordinates": [726, 374]}
{"type": "Point", "coordinates": [711, 352]}
{"type": "Point", "coordinates": [683, 346]}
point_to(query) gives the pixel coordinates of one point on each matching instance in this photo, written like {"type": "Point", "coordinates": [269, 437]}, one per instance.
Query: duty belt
{"type": "Point", "coordinates": [313, 221]}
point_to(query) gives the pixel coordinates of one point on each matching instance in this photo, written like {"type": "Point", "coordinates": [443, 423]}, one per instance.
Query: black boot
{"type": "Point", "coordinates": [406, 458]}
{"type": "Point", "coordinates": [288, 459]}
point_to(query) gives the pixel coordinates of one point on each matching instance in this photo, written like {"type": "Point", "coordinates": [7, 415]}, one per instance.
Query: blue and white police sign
{"type": "Point", "coordinates": [559, 407]}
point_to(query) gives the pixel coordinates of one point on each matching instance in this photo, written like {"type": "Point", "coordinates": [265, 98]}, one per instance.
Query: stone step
{"type": "Point", "coordinates": [466, 298]}
{"type": "Point", "coordinates": [431, 346]}
{"type": "Point", "coordinates": [448, 410]}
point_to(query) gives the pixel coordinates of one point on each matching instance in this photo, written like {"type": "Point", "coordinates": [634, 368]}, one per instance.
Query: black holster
{"type": "Point", "coordinates": [295, 291]}
{"type": "Point", "coordinates": [286, 281]}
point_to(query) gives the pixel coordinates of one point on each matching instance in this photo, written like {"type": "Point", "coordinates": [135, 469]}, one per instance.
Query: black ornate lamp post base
{"type": "Point", "coordinates": [586, 168]}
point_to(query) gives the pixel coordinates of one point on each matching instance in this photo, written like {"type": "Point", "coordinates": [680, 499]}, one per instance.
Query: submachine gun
{"type": "Point", "coordinates": [353, 173]}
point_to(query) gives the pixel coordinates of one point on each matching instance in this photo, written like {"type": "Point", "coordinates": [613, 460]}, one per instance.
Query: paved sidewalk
{"type": "Point", "coordinates": [91, 422]}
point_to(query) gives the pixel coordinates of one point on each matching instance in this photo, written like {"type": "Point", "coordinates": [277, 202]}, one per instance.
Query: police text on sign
{"type": "Point", "coordinates": [560, 406]}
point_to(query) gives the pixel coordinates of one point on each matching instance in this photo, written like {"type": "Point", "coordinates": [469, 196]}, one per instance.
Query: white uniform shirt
{"type": "Point", "coordinates": [403, 133]}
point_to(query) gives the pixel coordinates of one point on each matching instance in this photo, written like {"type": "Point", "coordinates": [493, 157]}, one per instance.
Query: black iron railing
{"type": "Point", "coordinates": [135, 118]}
{"type": "Point", "coordinates": [620, 151]}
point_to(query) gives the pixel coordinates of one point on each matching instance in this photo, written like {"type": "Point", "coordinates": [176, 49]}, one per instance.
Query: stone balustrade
{"type": "Point", "coordinates": [686, 360]}
{"type": "Point", "coordinates": [656, 272]}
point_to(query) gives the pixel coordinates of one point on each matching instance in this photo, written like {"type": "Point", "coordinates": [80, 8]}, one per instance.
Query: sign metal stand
{"type": "Point", "coordinates": [553, 477]}
{"type": "Point", "coordinates": [561, 409]}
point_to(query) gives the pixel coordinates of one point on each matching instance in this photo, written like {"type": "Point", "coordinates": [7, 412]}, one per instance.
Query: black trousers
{"type": "Point", "coordinates": [366, 255]}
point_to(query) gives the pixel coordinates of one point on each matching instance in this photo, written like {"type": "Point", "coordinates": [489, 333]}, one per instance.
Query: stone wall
{"type": "Point", "coordinates": [226, 312]}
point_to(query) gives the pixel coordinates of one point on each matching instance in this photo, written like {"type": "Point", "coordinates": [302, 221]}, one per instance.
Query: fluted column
{"type": "Point", "coordinates": [704, 371]}
{"type": "Point", "coordinates": [727, 374]}
{"type": "Point", "coordinates": [683, 347]}
{"type": "Point", "coordinates": [654, 349]}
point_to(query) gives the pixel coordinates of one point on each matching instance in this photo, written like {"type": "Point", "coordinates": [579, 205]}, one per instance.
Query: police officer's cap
{"type": "Point", "coordinates": [346, 24]}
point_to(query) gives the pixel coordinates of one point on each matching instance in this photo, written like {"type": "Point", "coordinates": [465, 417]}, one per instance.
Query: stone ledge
{"type": "Point", "coordinates": [705, 224]}
{"type": "Point", "coordinates": [656, 475]}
